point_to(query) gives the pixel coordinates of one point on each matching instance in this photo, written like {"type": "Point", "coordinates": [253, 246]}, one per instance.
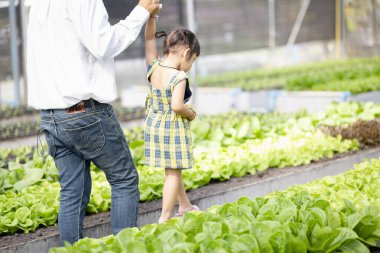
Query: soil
{"type": "Point", "coordinates": [194, 195]}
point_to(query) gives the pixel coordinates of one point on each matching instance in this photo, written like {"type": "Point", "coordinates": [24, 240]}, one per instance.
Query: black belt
{"type": "Point", "coordinates": [87, 102]}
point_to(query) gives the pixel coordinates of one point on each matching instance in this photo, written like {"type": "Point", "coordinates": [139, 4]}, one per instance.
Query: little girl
{"type": "Point", "coordinates": [167, 126]}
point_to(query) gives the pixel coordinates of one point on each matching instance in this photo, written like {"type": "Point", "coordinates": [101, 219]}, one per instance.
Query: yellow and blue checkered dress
{"type": "Point", "coordinates": [167, 135]}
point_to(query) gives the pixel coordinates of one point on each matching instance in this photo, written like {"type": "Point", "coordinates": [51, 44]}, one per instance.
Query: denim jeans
{"type": "Point", "coordinates": [76, 140]}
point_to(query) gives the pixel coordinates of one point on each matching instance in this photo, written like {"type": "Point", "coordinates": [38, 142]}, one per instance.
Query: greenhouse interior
{"type": "Point", "coordinates": [190, 126]}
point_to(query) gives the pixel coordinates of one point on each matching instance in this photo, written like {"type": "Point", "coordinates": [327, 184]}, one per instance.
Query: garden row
{"type": "Point", "coordinates": [30, 126]}
{"type": "Point", "coordinates": [351, 120]}
{"type": "Point", "coordinates": [355, 76]}
{"type": "Point", "coordinates": [7, 112]}
{"type": "Point", "coordinates": [245, 144]}
{"type": "Point", "coordinates": [334, 214]}
{"type": "Point", "coordinates": [227, 129]}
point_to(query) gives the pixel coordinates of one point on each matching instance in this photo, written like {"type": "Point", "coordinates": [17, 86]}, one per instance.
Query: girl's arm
{"type": "Point", "coordinates": [178, 106]}
{"type": "Point", "coordinates": [150, 40]}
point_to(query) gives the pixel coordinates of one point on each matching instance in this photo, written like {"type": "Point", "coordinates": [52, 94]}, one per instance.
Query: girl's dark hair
{"type": "Point", "coordinates": [180, 37]}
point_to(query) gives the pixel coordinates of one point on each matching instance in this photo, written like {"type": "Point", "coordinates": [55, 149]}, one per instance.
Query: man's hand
{"type": "Point", "coordinates": [153, 6]}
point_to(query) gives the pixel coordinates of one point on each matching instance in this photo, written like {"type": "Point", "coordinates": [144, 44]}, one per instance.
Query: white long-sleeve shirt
{"type": "Point", "coordinates": [71, 50]}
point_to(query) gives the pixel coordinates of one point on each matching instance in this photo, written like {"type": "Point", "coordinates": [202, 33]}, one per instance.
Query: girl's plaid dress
{"type": "Point", "coordinates": [167, 135]}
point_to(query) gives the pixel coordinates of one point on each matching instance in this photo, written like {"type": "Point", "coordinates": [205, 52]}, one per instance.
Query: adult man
{"type": "Point", "coordinates": [71, 47]}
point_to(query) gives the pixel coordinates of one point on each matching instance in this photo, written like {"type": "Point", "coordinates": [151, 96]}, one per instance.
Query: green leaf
{"type": "Point", "coordinates": [135, 247]}
{"type": "Point", "coordinates": [22, 214]}
{"type": "Point", "coordinates": [368, 228]}
{"type": "Point", "coordinates": [3, 175]}
{"type": "Point", "coordinates": [352, 246]}
{"type": "Point", "coordinates": [13, 177]}
{"type": "Point", "coordinates": [31, 177]}
{"type": "Point", "coordinates": [216, 135]}
{"type": "Point", "coordinates": [243, 131]}
{"type": "Point", "coordinates": [184, 247]}
{"type": "Point", "coordinates": [326, 239]}
{"type": "Point", "coordinates": [215, 246]}
{"type": "Point", "coordinates": [90, 245]}
{"type": "Point", "coordinates": [12, 166]}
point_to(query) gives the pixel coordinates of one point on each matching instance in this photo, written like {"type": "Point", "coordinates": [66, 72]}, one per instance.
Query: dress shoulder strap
{"type": "Point", "coordinates": [177, 78]}
{"type": "Point", "coordinates": [151, 68]}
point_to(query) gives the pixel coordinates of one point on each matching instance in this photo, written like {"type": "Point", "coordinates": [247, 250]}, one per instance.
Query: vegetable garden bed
{"type": "Point", "coordinates": [226, 146]}
{"type": "Point", "coordinates": [355, 76]}
{"type": "Point", "coordinates": [214, 194]}
{"type": "Point", "coordinates": [287, 89]}
{"type": "Point", "coordinates": [7, 112]}
{"type": "Point", "coordinates": [27, 124]}
{"type": "Point", "coordinates": [312, 101]}
{"type": "Point", "coordinates": [334, 214]}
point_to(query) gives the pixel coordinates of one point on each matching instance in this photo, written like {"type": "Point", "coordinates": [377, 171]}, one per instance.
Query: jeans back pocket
{"type": "Point", "coordinates": [89, 139]}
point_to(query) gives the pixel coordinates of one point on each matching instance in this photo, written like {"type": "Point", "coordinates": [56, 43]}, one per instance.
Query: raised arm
{"type": "Point", "coordinates": [90, 20]}
{"type": "Point", "coordinates": [150, 40]}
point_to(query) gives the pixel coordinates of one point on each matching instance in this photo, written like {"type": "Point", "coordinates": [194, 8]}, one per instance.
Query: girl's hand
{"type": "Point", "coordinates": [192, 118]}
{"type": "Point", "coordinates": [153, 6]}
{"type": "Point", "coordinates": [192, 109]}
{"type": "Point", "coordinates": [177, 102]}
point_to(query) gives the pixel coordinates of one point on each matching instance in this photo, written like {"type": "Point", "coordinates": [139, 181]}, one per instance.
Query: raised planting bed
{"type": "Point", "coordinates": [7, 112]}
{"type": "Point", "coordinates": [293, 101]}
{"type": "Point", "coordinates": [334, 214]}
{"type": "Point", "coordinates": [355, 76]}
{"type": "Point", "coordinates": [214, 194]}
{"type": "Point", "coordinates": [373, 96]}
{"type": "Point", "coordinates": [208, 100]}
{"type": "Point", "coordinates": [19, 129]}
{"type": "Point", "coordinates": [28, 125]}
{"type": "Point", "coordinates": [289, 89]}
{"type": "Point", "coordinates": [312, 101]}
{"type": "Point", "coordinates": [226, 146]}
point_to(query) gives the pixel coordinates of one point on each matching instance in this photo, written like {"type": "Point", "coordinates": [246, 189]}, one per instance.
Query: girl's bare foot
{"type": "Point", "coordinates": [160, 221]}
{"type": "Point", "coordinates": [182, 211]}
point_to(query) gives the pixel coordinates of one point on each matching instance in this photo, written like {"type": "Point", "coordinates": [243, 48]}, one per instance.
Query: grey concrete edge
{"type": "Point", "coordinates": [216, 194]}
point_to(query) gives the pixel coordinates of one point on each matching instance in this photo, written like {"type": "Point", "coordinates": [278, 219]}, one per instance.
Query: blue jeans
{"type": "Point", "coordinates": [76, 140]}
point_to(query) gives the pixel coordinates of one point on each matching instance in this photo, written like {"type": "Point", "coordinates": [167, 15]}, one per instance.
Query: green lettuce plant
{"type": "Point", "coordinates": [333, 214]}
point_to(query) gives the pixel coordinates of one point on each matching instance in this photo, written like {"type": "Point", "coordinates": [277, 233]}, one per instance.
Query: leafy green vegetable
{"type": "Point", "coordinates": [354, 75]}
{"type": "Point", "coordinates": [234, 145]}
{"type": "Point", "coordinates": [333, 214]}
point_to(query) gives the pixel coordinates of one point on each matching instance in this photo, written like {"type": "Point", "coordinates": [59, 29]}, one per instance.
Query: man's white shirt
{"type": "Point", "coordinates": [71, 50]}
